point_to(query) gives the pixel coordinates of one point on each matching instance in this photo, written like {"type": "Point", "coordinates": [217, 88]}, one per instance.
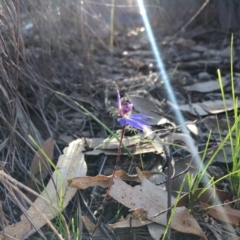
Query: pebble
{"type": "Point", "coordinates": [203, 76]}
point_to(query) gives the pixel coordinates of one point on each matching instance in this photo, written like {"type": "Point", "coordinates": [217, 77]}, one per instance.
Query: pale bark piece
{"type": "Point", "coordinates": [207, 86]}
{"type": "Point", "coordinates": [157, 142]}
{"type": "Point", "coordinates": [192, 127]}
{"type": "Point", "coordinates": [140, 148]}
{"type": "Point", "coordinates": [114, 143]}
{"type": "Point", "coordinates": [153, 200]}
{"type": "Point", "coordinates": [70, 164]}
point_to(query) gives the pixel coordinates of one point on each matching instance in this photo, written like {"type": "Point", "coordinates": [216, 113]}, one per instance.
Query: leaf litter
{"type": "Point", "coordinates": [153, 199]}
{"type": "Point", "coordinates": [187, 53]}
{"type": "Point", "coordinates": [103, 181]}
{"type": "Point", "coordinates": [40, 167]}
{"type": "Point", "coordinates": [180, 166]}
{"type": "Point", "coordinates": [70, 164]}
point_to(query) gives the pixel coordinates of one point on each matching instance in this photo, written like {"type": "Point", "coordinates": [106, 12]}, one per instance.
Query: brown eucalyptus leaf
{"type": "Point", "coordinates": [153, 200]}
{"type": "Point", "coordinates": [40, 166]}
{"type": "Point", "coordinates": [90, 226]}
{"type": "Point", "coordinates": [136, 219]}
{"type": "Point", "coordinates": [39, 159]}
{"type": "Point", "coordinates": [210, 195]}
{"type": "Point", "coordinates": [103, 181]}
{"type": "Point", "coordinates": [27, 126]}
{"type": "Point", "coordinates": [223, 213]}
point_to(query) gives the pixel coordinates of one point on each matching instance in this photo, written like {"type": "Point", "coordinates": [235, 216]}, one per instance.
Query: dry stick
{"type": "Point", "coordinates": [168, 153]}
{"type": "Point", "coordinates": [111, 181]}
{"type": "Point", "coordinates": [4, 177]}
{"type": "Point", "coordinates": [11, 182]}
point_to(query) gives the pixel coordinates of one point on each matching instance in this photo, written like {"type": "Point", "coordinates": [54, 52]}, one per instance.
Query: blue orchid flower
{"type": "Point", "coordinates": [127, 118]}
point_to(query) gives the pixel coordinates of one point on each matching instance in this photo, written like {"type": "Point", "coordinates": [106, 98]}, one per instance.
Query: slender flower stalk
{"type": "Point", "coordinates": [127, 118]}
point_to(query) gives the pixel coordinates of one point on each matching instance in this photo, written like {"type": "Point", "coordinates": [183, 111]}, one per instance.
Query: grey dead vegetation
{"type": "Point", "coordinates": [62, 45]}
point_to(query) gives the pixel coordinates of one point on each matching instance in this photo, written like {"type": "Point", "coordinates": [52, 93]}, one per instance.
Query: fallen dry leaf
{"type": "Point", "coordinates": [223, 213]}
{"type": "Point", "coordinates": [192, 127]}
{"type": "Point", "coordinates": [215, 124]}
{"type": "Point", "coordinates": [27, 126]}
{"type": "Point", "coordinates": [140, 148]}
{"type": "Point", "coordinates": [127, 141]}
{"type": "Point", "coordinates": [103, 181]}
{"type": "Point", "coordinates": [207, 86]}
{"type": "Point", "coordinates": [153, 200]}
{"type": "Point", "coordinates": [132, 220]}
{"type": "Point", "coordinates": [40, 166]}
{"type": "Point", "coordinates": [210, 195]}
{"type": "Point", "coordinates": [207, 107]}
{"type": "Point", "coordinates": [90, 226]}
{"type": "Point", "coordinates": [157, 142]}
{"type": "Point", "coordinates": [70, 164]}
{"type": "Point", "coordinates": [156, 230]}
{"type": "Point", "coordinates": [224, 155]}
{"type": "Point", "coordinates": [180, 166]}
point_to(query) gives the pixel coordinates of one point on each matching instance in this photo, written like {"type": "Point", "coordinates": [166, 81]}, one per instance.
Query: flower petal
{"type": "Point", "coordinates": [139, 116]}
{"type": "Point", "coordinates": [122, 121]}
{"type": "Point", "coordinates": [134, 124]}
{"type": "Point", "coordinates": [139, 121]}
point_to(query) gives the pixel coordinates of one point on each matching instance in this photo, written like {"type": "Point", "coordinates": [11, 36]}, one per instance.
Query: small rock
{"type": "Point", "coordinates": [199, 48]}
{"type": "Point", "coordinates": [203, 76]}
{"type": "Point", "coordinates": [192, 56]}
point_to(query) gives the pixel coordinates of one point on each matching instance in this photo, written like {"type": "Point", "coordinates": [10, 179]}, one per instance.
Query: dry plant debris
{"type": "Point", "coordinates": [152, 200]}
{"type": "Point", "coordinates": [223, 213]}
{"type": "Point", "coordinates": [103, 181]}
{"type": "Point", "coordinates": [56, 194]}
{"type": "Point", "coordinates": [34, 66]}
{"type": "Point", "coordinates": [206, 107]}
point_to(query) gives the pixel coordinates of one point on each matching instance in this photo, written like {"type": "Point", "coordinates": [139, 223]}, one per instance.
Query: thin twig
{"type": "Point", "coordinates": [168, 153]}
{"type": "Point", "coordinates": [13, 184]}
{"type": "Point", "coordinates": [111, 181]}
